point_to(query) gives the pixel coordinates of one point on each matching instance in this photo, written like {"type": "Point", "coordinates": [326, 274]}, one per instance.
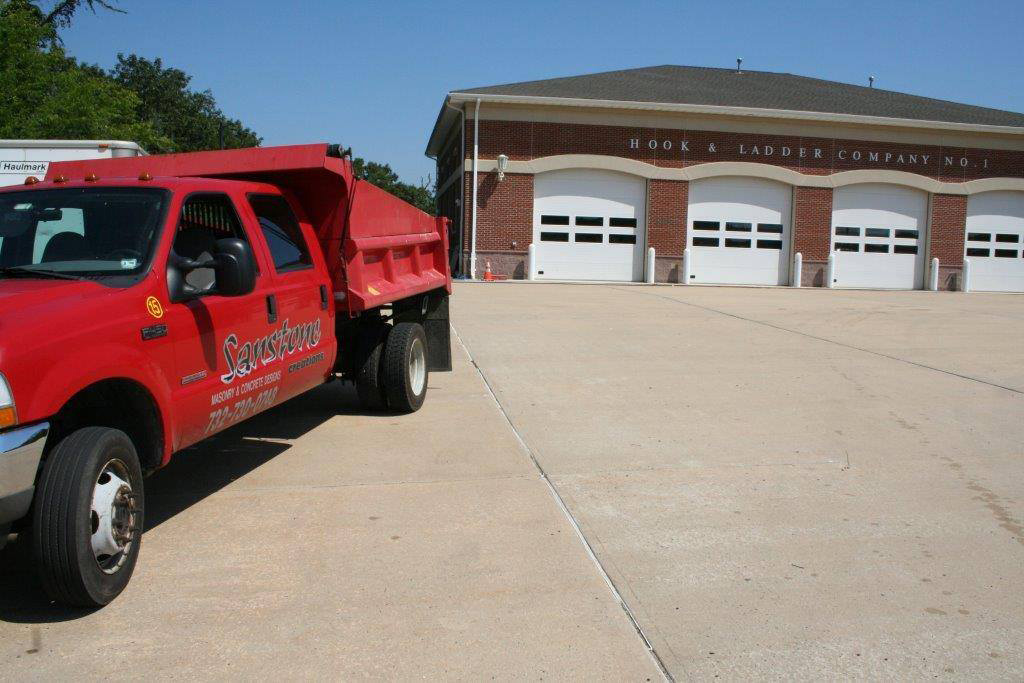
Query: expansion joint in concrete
{"type": "Point", "coordinates": [616, 594]}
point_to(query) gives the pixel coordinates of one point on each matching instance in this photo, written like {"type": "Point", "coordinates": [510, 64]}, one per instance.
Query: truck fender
{"type": "Point", "coordinates": [70, 375]}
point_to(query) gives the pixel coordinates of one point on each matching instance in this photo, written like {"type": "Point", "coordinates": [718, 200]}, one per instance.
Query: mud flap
{"type": "Point", "coordinates": [439, 333]}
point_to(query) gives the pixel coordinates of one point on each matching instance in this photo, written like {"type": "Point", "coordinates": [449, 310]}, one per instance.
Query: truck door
{"type": "Point", "coordinates": [219, 342]}
{"type": "Point", "coordinates": [301, 291]}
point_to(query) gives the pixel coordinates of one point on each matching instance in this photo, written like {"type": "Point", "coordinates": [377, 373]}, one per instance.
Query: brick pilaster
{"type": "Point", "coordinates": [667, 202]}
{"type": "Point", "coordinates": [812, 231]}
{"type": "Point", "coordinates": [947, 225]}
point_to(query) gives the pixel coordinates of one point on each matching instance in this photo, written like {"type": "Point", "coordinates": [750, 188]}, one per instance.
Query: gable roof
{"type": "Point", "coordinates": [765, 90]}
{"type": "Point", "coordinates": [759, 89]}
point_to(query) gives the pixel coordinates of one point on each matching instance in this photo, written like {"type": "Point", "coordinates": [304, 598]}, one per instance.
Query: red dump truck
{"type": "Point", "coordinates": [147, 303]}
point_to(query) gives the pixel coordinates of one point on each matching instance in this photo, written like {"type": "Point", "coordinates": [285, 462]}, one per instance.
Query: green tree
{"type": "Point", "coordinates": [191, 120]}
{"type": "Point", "coordinates": [421, 196]}
{"type": "Point", "coordinates": [46, 94]}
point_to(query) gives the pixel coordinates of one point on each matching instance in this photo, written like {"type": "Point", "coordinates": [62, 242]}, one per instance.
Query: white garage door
{"type": "Point", "coordinates": [589, 225]}
{"type": "Point", "coordinates": [878, 236]}
{"type": "Point", "coordinates": [995, 241]}
{"type": "Point", "coordinates": [738, 231]}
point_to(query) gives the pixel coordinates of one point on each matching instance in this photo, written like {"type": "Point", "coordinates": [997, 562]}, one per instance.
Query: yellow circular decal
{"type": "Point", "coordinates": [154, 307]}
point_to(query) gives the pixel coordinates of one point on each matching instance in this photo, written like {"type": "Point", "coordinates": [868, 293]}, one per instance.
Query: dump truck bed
{"type": "Point", "coordinates": [378, 248]}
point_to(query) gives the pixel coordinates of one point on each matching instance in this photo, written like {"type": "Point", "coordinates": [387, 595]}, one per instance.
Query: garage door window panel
{"type": "Point", "coordinates": [594, 238]}
{"type": "Point", "coordinates": [769, 244]}
{"type": "Point", "coordinates": [705, 241]}
{"type": "Point", "coordinates": [738, 227]}
{"type": "Point", "coordinates": [622, 222]}
{"type": "Point", "coordinates": [554, 237]}
{"type": "Point", "coordinates": [706, 225]}
{"type": "Point", "coordinates": [590, 221]}
{"type": "Point", "coordinates": [622, 239]}
{"type": "Point", "coordinates": [554, 220]}
{"type": "Point", "coordinates": [737, 243]}
{"type": "Point", "coordinates": [775, 228]}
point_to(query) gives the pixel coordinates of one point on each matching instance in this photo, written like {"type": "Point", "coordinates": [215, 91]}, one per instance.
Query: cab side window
{"type": "Point", "coordinates": [280, 228]}
{"type": "Point", "coordinates": [205, 219]}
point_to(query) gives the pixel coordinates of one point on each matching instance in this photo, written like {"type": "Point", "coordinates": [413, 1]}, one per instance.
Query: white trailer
{"type": "Point", "coordinates": [20, 159]}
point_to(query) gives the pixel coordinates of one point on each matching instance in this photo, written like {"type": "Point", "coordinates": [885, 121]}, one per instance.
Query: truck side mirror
{"type": "Point", "coordinates": [235, 267]}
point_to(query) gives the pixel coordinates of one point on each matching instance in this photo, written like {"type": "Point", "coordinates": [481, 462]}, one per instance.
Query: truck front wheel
{"type": "Point", "coordinates": [87, 523]}
{"type": "Point", "coordinates": [405, 367]}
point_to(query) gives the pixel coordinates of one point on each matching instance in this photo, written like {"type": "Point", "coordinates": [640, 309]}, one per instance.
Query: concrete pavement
{"type": "Point", "coordinates": [307, 544]}
{"type": "Point", "coordinates": [782, 483]}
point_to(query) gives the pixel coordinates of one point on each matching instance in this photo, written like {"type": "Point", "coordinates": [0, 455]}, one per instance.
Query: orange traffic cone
{"type": "Point", "coordinates": [488, 275]}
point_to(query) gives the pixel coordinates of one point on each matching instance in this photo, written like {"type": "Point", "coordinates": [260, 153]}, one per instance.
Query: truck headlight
{"type": "Point", "coordinates": [8, 415]}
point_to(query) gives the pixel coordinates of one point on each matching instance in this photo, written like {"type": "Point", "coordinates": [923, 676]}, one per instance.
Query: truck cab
{"type": "Point", "coordinates": [140, 314]}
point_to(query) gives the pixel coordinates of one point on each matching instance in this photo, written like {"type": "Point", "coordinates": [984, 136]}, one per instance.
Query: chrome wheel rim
{"type": "Point", "coordinates": [113, 517]}
{"type": "Point", "coordinates": [418, 366]}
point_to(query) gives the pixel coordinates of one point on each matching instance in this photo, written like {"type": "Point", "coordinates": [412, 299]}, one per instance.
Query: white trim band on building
{"type": "Point", "coordinates": [716, 169]}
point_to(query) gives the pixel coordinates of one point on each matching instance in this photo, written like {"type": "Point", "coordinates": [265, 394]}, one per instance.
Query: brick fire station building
{"type": "Point", "coordinates": [738, 170]}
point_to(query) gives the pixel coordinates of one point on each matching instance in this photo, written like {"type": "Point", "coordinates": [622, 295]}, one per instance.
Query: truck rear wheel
{"type": "Point", "coordinates": [87, 523]}
{"type": "Point", "coordinates": [405, 367]}
{"type": "Point", "coordinates": [369, 384]}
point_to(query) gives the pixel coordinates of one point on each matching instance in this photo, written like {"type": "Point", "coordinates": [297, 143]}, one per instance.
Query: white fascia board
{"type": "Point", "coordinates": [736, 111]}
{"type": "Point", "coordinates": [446, 112]}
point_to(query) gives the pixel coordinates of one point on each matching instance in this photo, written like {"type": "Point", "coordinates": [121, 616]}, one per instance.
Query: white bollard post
{"type": "Point", "coordinates": [830, 271]}
{"type": "Point", "coordinates": [798, 267]}
{"type": "Point", "coordinates": [933, 276]}
{"type": "Point", "coordinates": [531, 262]}
{"type": "Point", "coordinates": [686, 266]}
{"type": "Point", "coordinates": [649, 274]}
{"type": "Point", "coordinates": [965, 286]}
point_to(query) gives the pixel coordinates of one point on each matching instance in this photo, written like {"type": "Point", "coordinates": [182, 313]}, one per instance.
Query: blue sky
{"type": "Point", "coordinates": [373, 75]}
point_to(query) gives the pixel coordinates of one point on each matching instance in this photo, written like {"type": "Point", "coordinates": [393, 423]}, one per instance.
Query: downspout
{"type": "Point", "coordinates": [462, 188]}
{"type": "Point", "coordinates": [476, 154]}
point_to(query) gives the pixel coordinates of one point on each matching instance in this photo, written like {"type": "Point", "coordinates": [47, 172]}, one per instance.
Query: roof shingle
{"type": "Point", "coordinates": [670, 84]}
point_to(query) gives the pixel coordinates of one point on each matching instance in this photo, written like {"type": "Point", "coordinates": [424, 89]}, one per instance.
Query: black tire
{"type": "Point", "coordinates": [369, 385]}
{"type": "Point", "coordinates": [63, 520]}
{"type": "Point", "coordinates": [405, 360]}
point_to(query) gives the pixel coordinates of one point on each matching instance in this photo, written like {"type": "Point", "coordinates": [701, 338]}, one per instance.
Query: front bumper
{"type": "Point", "coordinates": [21, 449]}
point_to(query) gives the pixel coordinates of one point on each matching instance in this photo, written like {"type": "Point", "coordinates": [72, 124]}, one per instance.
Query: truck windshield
{"type": "Point", "coordinates": [87, 232]}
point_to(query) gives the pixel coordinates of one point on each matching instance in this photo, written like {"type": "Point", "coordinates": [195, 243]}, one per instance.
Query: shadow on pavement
{"type": "Point", "coordinates": [192, 475]}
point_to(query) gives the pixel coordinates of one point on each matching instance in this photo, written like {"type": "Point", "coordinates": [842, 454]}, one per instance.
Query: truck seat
{"type": "Point", "coordinates": [197, 244]}
{"type": "Point", "coordinates": [66, 246]}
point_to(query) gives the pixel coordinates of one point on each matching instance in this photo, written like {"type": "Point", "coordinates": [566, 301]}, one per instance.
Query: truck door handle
{"type": "Point", "coordinates": [323, 297]}
{"type": "Point", "coordinates": [271, 309]}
